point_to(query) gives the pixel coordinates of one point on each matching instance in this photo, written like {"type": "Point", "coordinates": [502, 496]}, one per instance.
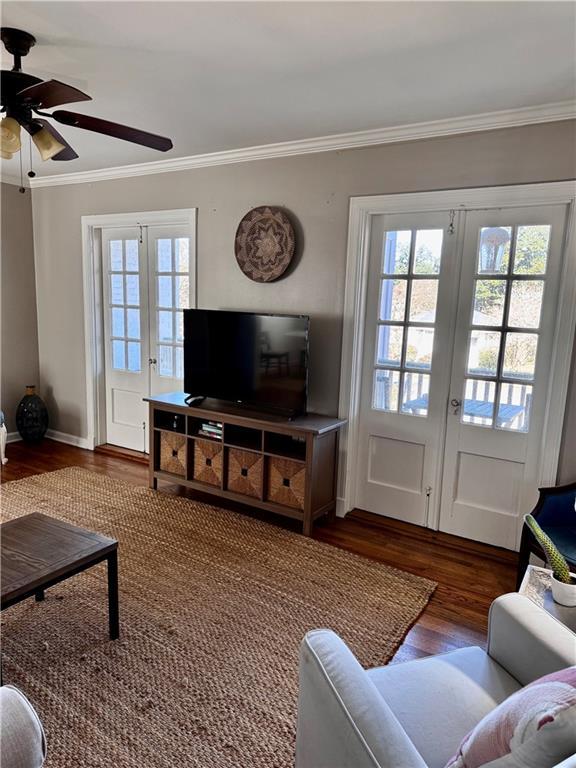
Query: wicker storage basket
{"type": "Point", "coordinates": [244, 474]}
{"type": "Point", "coordinates": [286, 482]}
{"type": "Point", "coordinates": [208, 462]}
{"type": "Point", "coordinates": [173, 453]}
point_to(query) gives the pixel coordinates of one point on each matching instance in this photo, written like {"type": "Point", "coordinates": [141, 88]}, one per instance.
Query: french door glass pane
{"type": "Point", "coordinates": [396, 256]}
{"type": "Point", "coordinates": [133, 323]}
{"type": "Point", "coordinates": [133, 290]}
{"type": "Point", "coordinates": [131, 255]}
{"type": "Point", "coordinates": [164, 248]}
{"type": "Point", "coordinates": [532, 244]}
{"type": "Point", "coordinates": [134, 356]}
{"type": "Point", "coordinates": [166, 367]}
{"type": "Point", "coordinates": [389, 350]}
{"type": "Point", "coordinates": [117, 289]}
{"type": "Point", "coordinates": [483, 353]}
{"type": "Point", "coordinates": [525, 303]}
{"type": "Point", "coordinates": [520, 355]}
{"type": "Point", "coordinates": [165, 292]}
{"type": "Point", "coordinates": [415, 394]}
{"type": "Point", "coordinates": [386, 389]}
{"type": "Point", "coordinates": [514, 407]}
{"type": "Point", "coordinates": [116, 255]}
{"type": "Point", "coordinates": [165, 326]}
{"type": "Point", "coordinates": [479, 402]}
{"type": "Point", "coordinates": [419, 347]}
{"type": "Point", "coordinates": [489, 296]}
{"type": "Point", "coordinates": [393, 299]}
{"type": "Point", "coordinates": [428, 251]}
{"type": "Point", "coordinates": [118, 355]}
{"type": "Point", "coordinates": [117, 321]}
{"type": "Point", "coordinates": [182, 254]}
{"type": "Point", "coordinates": [423, 301]}
{"type": "Point", "coordinates": [494, 250]}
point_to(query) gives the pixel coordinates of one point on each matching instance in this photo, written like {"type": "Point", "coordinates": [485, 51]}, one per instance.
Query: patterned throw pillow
{"type": "Point", "coordinates": [533, 728]}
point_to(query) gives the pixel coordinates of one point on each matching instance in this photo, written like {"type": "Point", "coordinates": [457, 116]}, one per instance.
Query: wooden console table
{"type": "Point", "coordinates": [286, 467]}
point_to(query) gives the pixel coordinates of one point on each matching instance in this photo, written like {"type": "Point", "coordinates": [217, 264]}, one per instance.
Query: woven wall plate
{"type": "Point", "coordinates": [264, 244]}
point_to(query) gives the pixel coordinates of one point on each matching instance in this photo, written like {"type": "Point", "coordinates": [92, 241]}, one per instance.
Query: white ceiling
{"type": "Point", "coordinates": [223, 75]}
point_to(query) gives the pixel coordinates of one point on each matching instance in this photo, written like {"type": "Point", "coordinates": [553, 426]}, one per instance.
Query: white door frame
{"type": "Point", "coordinates": [361, 211]}
{"type": "Point", "coordinates": [92, 289]}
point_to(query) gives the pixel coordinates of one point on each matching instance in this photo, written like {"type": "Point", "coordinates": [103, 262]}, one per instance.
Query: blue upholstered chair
{"type": "Point", "coordinates": [556, 515]}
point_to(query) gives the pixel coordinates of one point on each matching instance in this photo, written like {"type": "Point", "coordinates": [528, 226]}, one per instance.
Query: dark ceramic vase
{"type": "Point", "coordinates": [32, 416]}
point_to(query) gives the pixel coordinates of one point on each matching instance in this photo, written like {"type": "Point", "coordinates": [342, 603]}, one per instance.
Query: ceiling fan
{"type": "Point", "coordinates": [23, 97]}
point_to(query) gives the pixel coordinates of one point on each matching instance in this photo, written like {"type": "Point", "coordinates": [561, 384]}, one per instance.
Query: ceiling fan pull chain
{"type": "Point", "coordinates": [22, 188]}
{"type": "Point", "coordinates": [31, 172]}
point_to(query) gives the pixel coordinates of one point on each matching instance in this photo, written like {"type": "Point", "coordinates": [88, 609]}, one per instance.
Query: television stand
{"type": "Point", "coordinates": [194, 399]}
{"type": "Point", "coordinates": [260, 459]}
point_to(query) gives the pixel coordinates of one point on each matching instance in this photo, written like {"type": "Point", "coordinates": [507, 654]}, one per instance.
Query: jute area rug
{"type": "Point", "coordinates": [213, 606]}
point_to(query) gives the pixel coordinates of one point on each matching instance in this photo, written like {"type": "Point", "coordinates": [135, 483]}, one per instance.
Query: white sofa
{"type": "Point", "coordinates": [22, 742]}
{"type": "Point", "coordinates": [415, 714]}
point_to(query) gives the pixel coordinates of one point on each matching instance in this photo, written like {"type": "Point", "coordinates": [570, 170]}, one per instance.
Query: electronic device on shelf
{"type": "Point", "coordinates": [258, 361]}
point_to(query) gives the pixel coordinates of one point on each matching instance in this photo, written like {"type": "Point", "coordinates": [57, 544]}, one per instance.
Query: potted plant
{"type": "Point", "coordinates": [563, 582]}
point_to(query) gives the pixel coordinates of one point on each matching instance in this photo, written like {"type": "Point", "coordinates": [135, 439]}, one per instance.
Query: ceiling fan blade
{"type": "Point", "coordinates": [116, 130]}
{"type": "Point", "coordinates": [51, 93]}
{"type": "Point", "coordinates": [35, 125]}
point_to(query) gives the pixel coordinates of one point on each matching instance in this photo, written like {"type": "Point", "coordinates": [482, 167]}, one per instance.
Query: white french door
{"type": "Point", "coordinates": [146, 283]}
{"type": "Point", "coordinates": [404, 372]}
{"type": "Point", "coordinates": [461, 311]}
{"type": "Point", "coordinates": [506, 318]}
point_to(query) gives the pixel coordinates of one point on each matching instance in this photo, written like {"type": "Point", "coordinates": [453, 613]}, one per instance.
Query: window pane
{"type": "Point", "coordinates": [386, 387]}
{"type": "Point", "coordinates": [396, 256]}
{"type": "Point", "coordinates": [489, 298]}
{"type": "Point", "coordinates": [494, 250]}
{"type": "Point", "coordinates": [526, 303]}
{"type": "Point", "coordinates": [392, 299]}
{"type": "Point", "coordinates": [478, 402]}
{"type": "Point", "coordinates": [165, 292]}
{"type": "Point", "coordinates": [182, 254]}
{"type": "Point", "coordinates": [483, 352]}
{"type": "Point", "coordinates": [117, 289]}
{"type": "Point", "coordinates": [164, 248]}
{"type": "Point", "coordinates": [183, 292]}
{"type": "Point", "coordinates": [116, 255]}
{"type": "Point", "coordinates": [514, 407]}
{"type": "Point", "coordinates": [133, 322]}
{"type": "Point", "coordinates": [428, 251]}
{"type": "Point", "coordinates": [131, 255]}
{"type": "Point", "coordinates": [178, 355]}
{"type": "Point", "coordinates": [415, 394]}
{"type": "Point", "coordinates": [520, 355]}
{"type": "Point", "coordinates": [133, 289]}
{"type": "Point", "coordinates": [531, 250]}
{"type": "Point", "coordinates": [133, 356]}
{"type": "Point", "coordinates": [389, 351]}
{"type": "Point", "coordinates": [165, 332]}
{"type": "Point", "coordinates": [419, 347]}
{"type": "Point", "coordinates": [423, 301]}
{"type": "Point", "coordinates": [166, 368]}
{"type": "Point", "coordinates": [117, 322]}
{"type": "Point", "coordinates": [118, 355]}
{"type": "Point", "coordinates": [179, 326]}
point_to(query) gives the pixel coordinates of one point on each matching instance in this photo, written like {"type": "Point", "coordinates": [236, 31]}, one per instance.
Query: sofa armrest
{"type": "Point", "coordinates": [526, 640]}
{"type": "Point", "coordinates": [343, 722]}
{"type": "Point", "coordinates": [22, 742]}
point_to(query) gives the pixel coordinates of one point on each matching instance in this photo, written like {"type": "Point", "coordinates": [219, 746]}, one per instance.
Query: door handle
{"type": "Point", "coordinates": [152, 361]}
{"type": "Point", "coordinates": [456, 404]}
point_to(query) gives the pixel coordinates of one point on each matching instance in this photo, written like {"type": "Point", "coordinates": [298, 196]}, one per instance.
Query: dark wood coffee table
{"type": "Point", "coordinates": [39, 551]}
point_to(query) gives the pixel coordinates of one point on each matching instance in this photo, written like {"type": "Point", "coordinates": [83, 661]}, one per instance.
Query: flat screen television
{"type": "Point", "coordinates": [241, 357]}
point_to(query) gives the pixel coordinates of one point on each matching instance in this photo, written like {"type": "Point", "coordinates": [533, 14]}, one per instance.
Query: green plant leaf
{"type": "Point", "coordinates": [556, 560]}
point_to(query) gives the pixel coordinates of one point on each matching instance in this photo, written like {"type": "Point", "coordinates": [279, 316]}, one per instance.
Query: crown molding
{"type": "Point", "coordinates": [488, 121]}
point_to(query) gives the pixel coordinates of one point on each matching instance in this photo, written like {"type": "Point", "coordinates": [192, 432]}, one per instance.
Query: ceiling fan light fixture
{"type": "Point", "coordinates": [9, 135]}
{"type": "Point", "coordinates": [46, 144]}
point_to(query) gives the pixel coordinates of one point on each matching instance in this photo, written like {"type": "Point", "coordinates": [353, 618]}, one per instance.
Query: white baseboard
{"type": "Point", "coordinates": [64, 437]}
{"type": "Point", "coordinates": [341, 510]}
{"type": "Point", "coordinates": [12, 437]}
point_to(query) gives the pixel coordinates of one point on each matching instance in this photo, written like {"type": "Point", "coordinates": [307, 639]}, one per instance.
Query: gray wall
{"type": "Point", "coordinates": [315, 188]}
{"type": "Point", "coordinates": [19, 353]}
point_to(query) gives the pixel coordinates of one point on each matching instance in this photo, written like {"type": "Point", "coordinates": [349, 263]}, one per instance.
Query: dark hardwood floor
{"type": "Point", "coordinates": [469, 575]}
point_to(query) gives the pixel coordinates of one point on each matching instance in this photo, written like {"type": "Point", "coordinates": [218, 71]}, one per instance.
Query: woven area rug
{"type": "Point", "coordinates": [213, 605]}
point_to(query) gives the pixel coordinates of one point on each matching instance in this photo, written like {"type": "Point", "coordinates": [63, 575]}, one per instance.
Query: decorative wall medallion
{"type": "Point", "coordinates": [264, 244]}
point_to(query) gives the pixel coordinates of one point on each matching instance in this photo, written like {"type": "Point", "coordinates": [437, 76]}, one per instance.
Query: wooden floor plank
{"type": "Point", "coordinates": [469, 574]}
